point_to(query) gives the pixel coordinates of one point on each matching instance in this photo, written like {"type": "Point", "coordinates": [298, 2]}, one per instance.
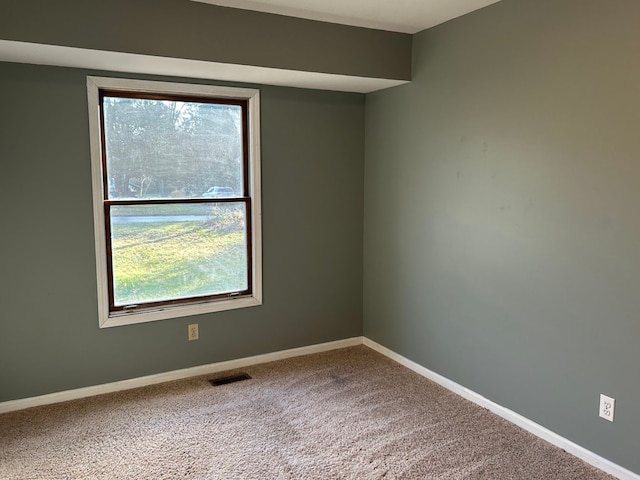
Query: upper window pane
{"type": "Point", "coordinates": [161, 148]}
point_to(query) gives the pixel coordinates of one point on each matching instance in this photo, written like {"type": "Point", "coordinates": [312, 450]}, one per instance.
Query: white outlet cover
{"type": "Point", "coordinates": [607, 407]}
{"type": "Point", "coordinates": [193, 333]}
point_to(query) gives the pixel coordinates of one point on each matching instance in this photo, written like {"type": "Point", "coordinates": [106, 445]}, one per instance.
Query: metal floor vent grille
{"type": "Point", "coordinates": [216, 382]}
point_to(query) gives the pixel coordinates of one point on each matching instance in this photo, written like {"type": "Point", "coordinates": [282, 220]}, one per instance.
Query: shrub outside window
{"type": "Point", "coordinates": [176, 198]}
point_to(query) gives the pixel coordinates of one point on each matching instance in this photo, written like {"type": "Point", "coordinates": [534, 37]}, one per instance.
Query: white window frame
{"type": "Point", "coordinates": [106, 318]}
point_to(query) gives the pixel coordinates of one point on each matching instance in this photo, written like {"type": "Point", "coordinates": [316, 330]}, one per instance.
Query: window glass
{"type": "Point", "coordinates": [170, 148]}
{"type": "Point", "coordinates": [171, 252]}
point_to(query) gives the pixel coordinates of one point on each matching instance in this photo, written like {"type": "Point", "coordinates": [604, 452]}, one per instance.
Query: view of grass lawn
{"type": "Point", "coordinates": [171, 260]}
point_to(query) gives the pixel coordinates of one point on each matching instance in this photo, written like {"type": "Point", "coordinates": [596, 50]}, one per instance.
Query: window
{"type": "Point", "coordinates": [176, 193]}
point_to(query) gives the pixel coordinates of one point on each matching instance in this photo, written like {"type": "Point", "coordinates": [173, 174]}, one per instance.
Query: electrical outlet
{"type": "Point", "coordinates": [193, 332]}
{"type": "Point", "coordinates": [607, 407]}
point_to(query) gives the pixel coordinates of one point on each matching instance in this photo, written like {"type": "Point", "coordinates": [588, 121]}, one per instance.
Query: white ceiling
{"type": "Point", "coordinates": [408, 16]}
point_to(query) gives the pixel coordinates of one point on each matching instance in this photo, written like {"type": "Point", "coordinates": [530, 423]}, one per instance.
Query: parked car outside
{"type": "Point", "coordinates": [217, 192]}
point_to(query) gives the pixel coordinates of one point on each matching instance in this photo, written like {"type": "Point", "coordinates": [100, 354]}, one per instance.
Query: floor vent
{"type": "Point", "coordinates": [216, 382]}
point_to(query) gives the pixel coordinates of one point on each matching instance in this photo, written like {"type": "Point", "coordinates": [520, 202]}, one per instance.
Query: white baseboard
{"type": "Point", "coordinates": [513, 417]}
{"type": "Point", "coordinates": [67, 395]}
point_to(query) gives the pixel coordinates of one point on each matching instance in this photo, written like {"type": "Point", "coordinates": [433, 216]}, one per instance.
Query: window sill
{"type": "Point", "coordinates": [149, 315]}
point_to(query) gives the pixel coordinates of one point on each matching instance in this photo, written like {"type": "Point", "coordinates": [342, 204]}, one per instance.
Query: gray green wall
{"type": "Point", "coordinates": [312, 193]}
{"type": "Point", "coordinates": [502, 225]}
{"type": "Point", "coordinates": [199, 31]}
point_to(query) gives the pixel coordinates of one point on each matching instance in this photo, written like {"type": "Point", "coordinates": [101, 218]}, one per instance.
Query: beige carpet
{"type": "Point", "coordinates": [345, 414]}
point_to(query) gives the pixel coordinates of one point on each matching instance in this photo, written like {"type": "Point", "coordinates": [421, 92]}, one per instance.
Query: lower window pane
{"type": "Point", "coordinates": [171, 252]}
